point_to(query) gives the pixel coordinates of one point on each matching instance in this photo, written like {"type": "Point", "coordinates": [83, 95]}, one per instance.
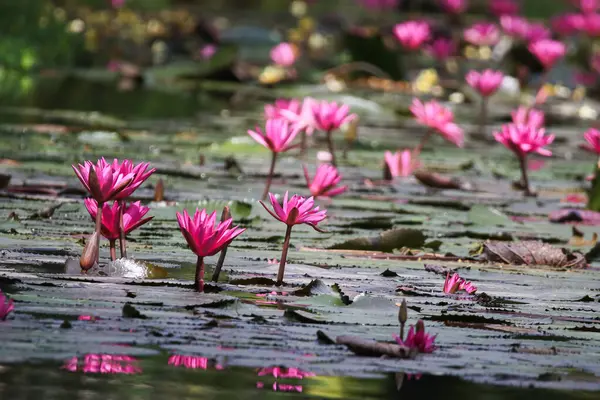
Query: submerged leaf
{"type": "Point", "coordinates": [386, 241]}
{"type": "Point", "coordinates": [531, 252]}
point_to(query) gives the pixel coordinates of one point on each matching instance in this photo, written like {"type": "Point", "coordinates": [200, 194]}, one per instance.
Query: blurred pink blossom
{"type": "Point", "coordinates": [504, 7]}
{"type": "Point", "coordinates": [412, 34]}
{"type": "Point", "coordinates": [442, 48]}
{"type": "Point", "coordinates": [284, 54]}
{"type": "Point", "coordinates": [482, 34]}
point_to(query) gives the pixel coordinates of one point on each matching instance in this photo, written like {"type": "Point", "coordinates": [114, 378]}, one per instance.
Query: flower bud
{"type": "Point", "coordinates": [90, 252]}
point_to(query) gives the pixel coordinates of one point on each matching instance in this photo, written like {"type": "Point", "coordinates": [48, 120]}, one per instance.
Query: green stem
{"type": "Point", "coordinates": [122, 241]}
{"type": "Point", "coordinates": [524, 176]}
{"type": "Point", "coordinates": [98, 229]}
{"type": "Point", "coordinates": [284, 252]}
{"type": "Point", "coordinates": [270, 176]}
{"type": "Point", "coordinates": [199, 278]}
{"type": "Point", "coordinates": [330, 147]}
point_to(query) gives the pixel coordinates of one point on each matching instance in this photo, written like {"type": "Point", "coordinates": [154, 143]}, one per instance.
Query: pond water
{"type": "Point", "coordinates": [534, 337]}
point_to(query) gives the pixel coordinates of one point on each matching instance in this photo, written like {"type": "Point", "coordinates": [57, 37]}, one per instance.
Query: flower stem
{"type": "Point", "coordinates": [303, 143]}
{"type": "Point", "coordinates": [422, 143]}
{"type": "Point", "coordinates": [286, 246]}
{"type": "Point", "coordinates": [98, 229]}
{"type": "Point", "coordinates": [483, 116]}
{"type": "Point", "coordinates": [122, 242]}
{"type": "Point", "coordinates": [215, 276]}
{"type": "Point", "coordinates": [330, 147]}
{"type": "Point", "coordinates": [270, 176]}
{"type": "Point", "coordinates": [199, 278]}
{"type": "Point", "coordinates": [524, 177]}
{"type": "Point", "coordinates": [113, 250]}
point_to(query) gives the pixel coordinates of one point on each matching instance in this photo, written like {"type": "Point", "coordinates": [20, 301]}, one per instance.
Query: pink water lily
{"type": "Point", "coordinates": [412, 34]}
{"type": "Point", "coordinates": [515, 26]}
{"type": "Point", "coordinates": [284, 54]}
{"type": "Point", "coordinates": [400, 163]}
{"type": "Point", "coordinates": [568, 24]}
{"type": "Point", "coordinates": [325, 182]}
{"type": "Point", "coordinates": [454, 283]}
{"type": "Point", "coordinates": [439, 119]}
{"type": "Point", "coordinates": [504, 7]}
{"type": "Point", "coordinates": [454, 6]}
{"type": "Point", "coordinates": [528, 116]}
{"type": "Point", "coordinates": [587, 6]}
{"type": "Point", "coordinates": [592, 137]}
{"type": "Point", "coordinates": [6, 306]}
{"type": "Point", "coordinates": [485, 82]}
{"type": "Point", "coordinates": [548, 51]}
{"type": "Point", "coordinates": [273, 111]}
{"type": "Point", "coordinates": [537, 31]}
{"type": "Point", "coordinates": [205, 238]}
{"type": "Point", "coordinates": [293, 211]}
{"type": "Point", "coordinates": [522, 140]}
{"type": "Point", "coordinates": [102, 180]}
{"type": "Point", "coordinates": [133, 218]}
{"type": "Point", "coordinates": [418, 339]}
{"type": "Point", "coordinates": [442, 48]}
{"type": "Point", "coordinates": [329, 116]}
{"type": "Point", "coordinates": [277, 137]}
{"type": "Point", "coordinates": [482, 34]}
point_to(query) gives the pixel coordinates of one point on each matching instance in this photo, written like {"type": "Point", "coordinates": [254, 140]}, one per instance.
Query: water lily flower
{"type": "Point", "coordinates": [454, 6]}
{"type": "Point", "coordinates": [273, 111]}
{"type": "Point", "coordinates": [587, 6]}
{"type": "Point", "coordinates": [442, 48]}
{"type": "Point", "coordinates": [284, 54]}
{"type": "Point", "coordinates": [418, 339]}
{"type": "Point", "coordinates": [102, 180]}
{"type": "Point", "coordinates": [301, 118]}
{"type": "Point", "coordinates": [207, 52]}
{"type": "Point", "coordinates": [528, 116]}
{"type": "Point", "coordinates": [522, 140]}
{"type": "Point", "coordinates": [454, 283]}
{"type": "Point", "coordinates": [568, 24]}
{"type": "Point", "coordinates": [548, 51]}
{"type": "Point", "coordinates": [412, 34]}
{"type": "Point", "coordinates": [592, 137]}
{"type": "Point", "coordinates": [439, 119]}
{"type": "Point", "coordinates": [400, 163]}
{"type": "Point", "coordinates": [326, 181]}
{"type": "Point", "coordinates": [486, 83]}
{"type": "Point", "coordinates": [132, 216]}
{"type": "Point", "coordinates": [329, 116]}
{"type": "Point", "coordinates": [277, 137]}
{"type": "Point", "coordinates": [204, 239]}
{"type": "Point", "coordinates": [504, 7]}
{"type": "Point", "coordinates": [482, 34]}
{"type": "Point", "coordinates": [515, 26]}
{"type": "Point", "coordinates": [6, 306]}
{"type": "Point", "coordinates": [297, 210]}
{"type": "Point", "coordinates": [468, 287]}
{"type": "Point", "coordinates": [537, 31]}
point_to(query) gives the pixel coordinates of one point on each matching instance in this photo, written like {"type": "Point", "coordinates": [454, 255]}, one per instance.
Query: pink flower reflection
{"type": "Point", "coordinates": [282, 372]}
{"type": "Point", "coordinates": [104, 364]}
{"type": "Point", "coordinates": [192, 362]}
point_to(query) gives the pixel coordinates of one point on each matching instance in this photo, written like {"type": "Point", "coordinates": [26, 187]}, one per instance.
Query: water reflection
{"type": "Point", "coordinates": [192, 362]}
{"type": "Point", "coordinates": [283, 373]}
{"type": "Point", "coordinates": [104, 364]}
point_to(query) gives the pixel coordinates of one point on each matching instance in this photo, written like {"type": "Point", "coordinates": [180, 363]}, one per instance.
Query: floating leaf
{"type": "Point", "coordinates": [531, 252]}
{"type": "Point", "coordinates": [386, 241]}
{"type": "Point", "coordinates": [488, 216]}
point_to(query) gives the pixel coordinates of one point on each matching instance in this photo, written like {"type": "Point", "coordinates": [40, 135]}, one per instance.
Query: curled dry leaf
{"type": "Point", "coordinates": [433, 180]}
{"type": "Point", "coordinates": [530, 252]}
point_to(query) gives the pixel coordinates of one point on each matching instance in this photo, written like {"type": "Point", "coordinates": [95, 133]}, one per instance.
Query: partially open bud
{"type": "Point", "coordinates": [403, 312]}
{"type": "Point", "coordinates": [159, 191]}
{"type": "Point", "coordinates": [226, 214]}
{"type": "Point", "coordinates": [420, 326]}
{"type": "Point", "coordinates": [90, 252]}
